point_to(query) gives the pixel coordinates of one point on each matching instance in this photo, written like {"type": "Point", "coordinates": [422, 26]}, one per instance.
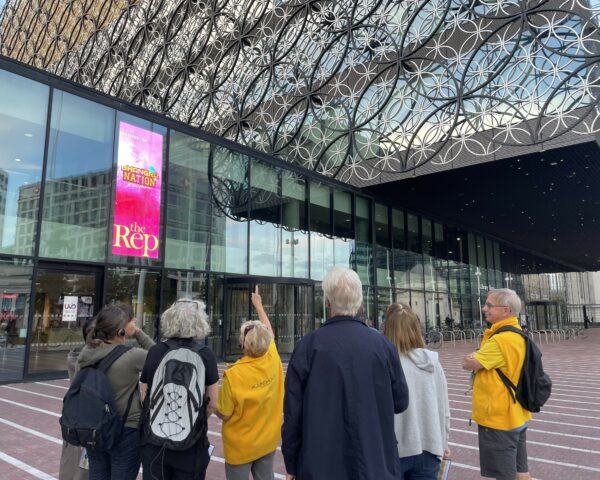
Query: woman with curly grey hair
{"type": "Point", "coordinates": [186, 323]}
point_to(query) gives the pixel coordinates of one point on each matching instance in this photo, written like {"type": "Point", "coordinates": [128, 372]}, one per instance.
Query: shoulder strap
{"type": "Point", "coordinates": [174, 344]}
{"type": "Point", "coordinates": [104, 364]}
{"type": "Point", "coordinates": [198, 347]}
{"type": "Point", "coordinates": [510, 328]}
{"type": "Point", "coordinates": [512, 388]}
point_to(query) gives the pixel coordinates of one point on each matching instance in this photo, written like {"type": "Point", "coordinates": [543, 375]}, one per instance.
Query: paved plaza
{"type": "Point", "coordinates": [564, 440]}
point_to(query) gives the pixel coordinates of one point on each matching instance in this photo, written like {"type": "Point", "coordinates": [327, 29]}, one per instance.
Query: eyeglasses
{"type": "Point", "coordinates": [491, 305]}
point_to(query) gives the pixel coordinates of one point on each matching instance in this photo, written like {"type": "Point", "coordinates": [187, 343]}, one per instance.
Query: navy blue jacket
{"type": "Point", "coordinates": [343, 385]}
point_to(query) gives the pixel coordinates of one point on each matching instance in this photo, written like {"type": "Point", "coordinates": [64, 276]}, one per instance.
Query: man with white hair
{"type": "Point", "coordinates": [343, 385]}
{"type": "Point", "coordinates": [502, 421]}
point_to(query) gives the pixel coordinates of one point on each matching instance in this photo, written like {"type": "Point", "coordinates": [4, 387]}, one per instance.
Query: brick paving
{"type": "Point", "coordinates": [563, 439]}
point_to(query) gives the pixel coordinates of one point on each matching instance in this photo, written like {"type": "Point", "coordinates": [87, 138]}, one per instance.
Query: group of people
{"type": "Point", "coordinates": [355, 403]}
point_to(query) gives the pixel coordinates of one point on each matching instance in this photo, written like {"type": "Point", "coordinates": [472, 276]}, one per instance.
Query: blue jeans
{"type": "Point", "coordinates": [120, 463]}
{"type": "Point", "coordinates": [425, 466]}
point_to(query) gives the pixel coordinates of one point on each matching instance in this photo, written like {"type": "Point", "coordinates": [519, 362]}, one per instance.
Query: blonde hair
{"type": "Point", "coordinates": [254, 338]}
{"type": "Point", "coordinates": [403, 328]}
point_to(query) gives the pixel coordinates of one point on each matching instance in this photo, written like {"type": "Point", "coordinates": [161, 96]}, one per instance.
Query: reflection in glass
{"type": "Point", "coordinates": [265, 231]}
{"type": "Point", "coordinates": [188, 203]}
{"type": "Point", "coordinates": [64, 302]}
{"type": "Point", "coordinates": [385, 296]}
{"type": "Point", "coordinates": [15, 285]}
{"type": "Point", "coordinates": [320, 208]}
{"type": "Point", "coordinates": [364, 250]}
{"type": "Point", "coordinates": [139, 288]}
{"type": "Point", "coordinates": [294, 253]}
{"type": "Point", "coordinates": [229, 240]}
{"type": "Point", "coordinates": [294, 242]}
{"type": "Point", "coordinates": [78, 178]}
{"type": "Point", "coordinates": [321, 255]}
{"type": "Point", "coordinates": [237, 311]}
{"type": "Point", "coordinates": [23, 113]}
{"type": "Point", "coordinates": [214, 308]}
{"type": "Point", "coordinates": [368, 313]}
{"type": "Point", "coordinates": [343, 252]}
{"type": "Point", "coordinates": [417, 303]}
{"type": "Point", "coordinates": [342, 215]}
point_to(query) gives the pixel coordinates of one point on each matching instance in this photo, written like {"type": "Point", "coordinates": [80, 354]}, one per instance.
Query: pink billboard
{"type": "Point", "coordinates": [136, 227]}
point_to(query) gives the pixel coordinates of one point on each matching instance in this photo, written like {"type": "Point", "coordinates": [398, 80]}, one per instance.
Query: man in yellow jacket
{"type": "Point", "coordinates": [502, 422]}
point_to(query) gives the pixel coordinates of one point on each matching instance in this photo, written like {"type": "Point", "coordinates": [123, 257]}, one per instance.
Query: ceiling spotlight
{"type": "Point", "coordinates": [17, 159]}
{"type": "Point", "coordinates": [28, 135]}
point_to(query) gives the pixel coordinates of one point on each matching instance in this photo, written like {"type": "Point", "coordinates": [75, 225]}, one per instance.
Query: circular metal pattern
{"type": "Point", "coordinates": [350, 89]}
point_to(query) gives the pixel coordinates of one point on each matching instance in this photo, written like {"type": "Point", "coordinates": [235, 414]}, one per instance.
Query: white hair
{"type": "Point", "coordinates": [343, 290]}
{"type": "Point", "coordinates": [185, 319]}
{"type": "Point", "coordinates": [507, 298]}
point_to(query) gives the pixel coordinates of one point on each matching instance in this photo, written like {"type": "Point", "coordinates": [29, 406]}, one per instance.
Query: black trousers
{"type": "Point", "coordinates": [162, 464]}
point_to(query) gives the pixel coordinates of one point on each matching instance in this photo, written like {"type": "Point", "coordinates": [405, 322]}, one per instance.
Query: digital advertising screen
{"type": "Point", "coordinates": [136, 227]}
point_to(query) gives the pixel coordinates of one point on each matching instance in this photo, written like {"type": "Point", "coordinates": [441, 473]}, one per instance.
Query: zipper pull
{"type": "Point", "coordinates": [106, 408]}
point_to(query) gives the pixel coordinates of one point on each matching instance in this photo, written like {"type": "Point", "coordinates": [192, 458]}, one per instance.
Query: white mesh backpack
{"type": "Point", "coordinates": [176, 411]}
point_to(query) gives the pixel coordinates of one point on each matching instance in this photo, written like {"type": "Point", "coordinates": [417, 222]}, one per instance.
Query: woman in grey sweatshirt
{"type": "Point", "coordinates": [111, 327]}
{"type": "Point", "coordinates": [422, 431]}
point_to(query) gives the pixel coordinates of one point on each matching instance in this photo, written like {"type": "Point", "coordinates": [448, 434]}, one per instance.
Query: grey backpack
{"type": "Point", "coordinates": [175, 415]}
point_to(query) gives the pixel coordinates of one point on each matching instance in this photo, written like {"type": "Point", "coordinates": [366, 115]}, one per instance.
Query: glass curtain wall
{"type": "Point", "coordinates": [229, 230]}
{"type": "Point", "coordinates": [78, 179]}
{"type": "Point", "coordinates": [343, 226]}
{"type": "Point", "coordinates": [265, 225]}
{"type": "Point", "coordinates": [295, 238]}
{"type": "Point", "coordinates": [321, 241]}
{"type": "Point", "coordinates": [214, 214]}
{"type": "Point", "coordinates": [188, 203]}
{"type": "Point", "coordinates": [23, 116]}
{"type": "Point", "coordinates": [16, 276]}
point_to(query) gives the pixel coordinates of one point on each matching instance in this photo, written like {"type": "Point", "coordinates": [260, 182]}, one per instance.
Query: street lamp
{"type": "Point", "coordinates": [478, 275]}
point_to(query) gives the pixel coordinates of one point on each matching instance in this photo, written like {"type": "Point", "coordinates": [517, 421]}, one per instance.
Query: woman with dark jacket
{"type": "Point", "coordinates": [112, 327]}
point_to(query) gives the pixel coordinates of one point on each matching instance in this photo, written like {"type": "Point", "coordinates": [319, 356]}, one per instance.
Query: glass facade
{"type": "Point", "coordinates": [99, 205]}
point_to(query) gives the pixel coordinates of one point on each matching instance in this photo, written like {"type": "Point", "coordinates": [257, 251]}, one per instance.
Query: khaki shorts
{"type": "Point", "coordinates": [502, 453]}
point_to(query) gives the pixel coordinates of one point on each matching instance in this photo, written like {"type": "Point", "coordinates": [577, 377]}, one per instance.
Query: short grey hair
{"type": "Point", "coordinates": [507, 298]}
{"type": "Point", "coordinates": [343, 289]}
{"type": "Point", "coordinates": [186, 318]}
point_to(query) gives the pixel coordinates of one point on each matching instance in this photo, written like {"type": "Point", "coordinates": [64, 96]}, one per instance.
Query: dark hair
{"type": "Point", "coordinates": [107, 324]}
{"type": "Point", "coordinates": [85, 328]}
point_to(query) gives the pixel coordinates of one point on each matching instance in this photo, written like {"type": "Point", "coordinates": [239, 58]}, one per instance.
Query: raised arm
{"type": "Point", "coordinates": [260, 311]}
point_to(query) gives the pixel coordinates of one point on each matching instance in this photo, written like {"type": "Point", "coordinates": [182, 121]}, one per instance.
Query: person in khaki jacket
{"type": "Point", "coordinates": [113, 326]}
{"type": "Point", "coordinates": [502, 422]}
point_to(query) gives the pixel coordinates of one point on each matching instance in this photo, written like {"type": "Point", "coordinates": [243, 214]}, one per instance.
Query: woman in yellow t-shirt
{"type": "Point", "coordinates": [251, 402]}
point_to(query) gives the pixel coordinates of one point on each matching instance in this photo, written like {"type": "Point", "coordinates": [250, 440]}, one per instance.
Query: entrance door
{"type": "Point", "coordinates": [289, 306]}
{"type": "Point", "coordinates": [64, 301]}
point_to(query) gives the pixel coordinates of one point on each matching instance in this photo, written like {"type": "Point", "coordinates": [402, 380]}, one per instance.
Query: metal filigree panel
{"type": "Point", "coordinates": [353, 89]}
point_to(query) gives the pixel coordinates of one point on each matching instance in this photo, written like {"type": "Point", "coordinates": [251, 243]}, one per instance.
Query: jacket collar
{"type": "Point", "coordinates": [342, 319]}
{"type": "Point", "coordinates": [512, 321]}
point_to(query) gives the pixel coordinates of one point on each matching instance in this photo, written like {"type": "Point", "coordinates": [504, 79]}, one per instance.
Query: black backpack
{"type": "Point", "coordinates": [89, 415]}
{"type": "Point", "coordinates": [534, 387]}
